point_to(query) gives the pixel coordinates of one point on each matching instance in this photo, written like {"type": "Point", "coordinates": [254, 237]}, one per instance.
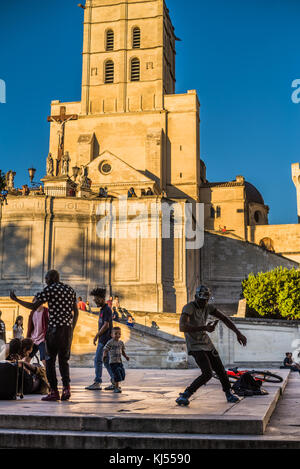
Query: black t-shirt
{"type": "Point", "coordinates": [105, 316]}
{"type": "Point", "coordinates": [287, 362]}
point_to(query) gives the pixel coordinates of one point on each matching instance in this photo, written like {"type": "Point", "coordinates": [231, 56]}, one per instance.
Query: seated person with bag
{"type": "Point", "coordinates": [35, 380]}
{"type": "Point", "coordinates": [289, 363]}
{"type": "Point", "coordinates": [13, 350]}
{"type": "Point", "coordinates": [13, 378]}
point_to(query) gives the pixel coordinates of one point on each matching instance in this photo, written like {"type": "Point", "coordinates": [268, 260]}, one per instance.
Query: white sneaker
{"type": "Point", "coordinates": [94, 387]}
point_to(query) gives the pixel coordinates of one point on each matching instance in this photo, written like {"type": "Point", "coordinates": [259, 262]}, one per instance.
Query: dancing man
{"type": "Point", "coordinates": [193, 323]}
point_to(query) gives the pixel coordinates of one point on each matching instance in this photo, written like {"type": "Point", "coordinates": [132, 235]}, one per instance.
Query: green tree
{"type": "Point", "coordinates": [274, 294]}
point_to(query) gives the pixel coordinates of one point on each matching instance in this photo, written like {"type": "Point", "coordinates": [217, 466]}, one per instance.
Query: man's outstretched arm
{"type": "Point", "coordinates": [227, 321]}
{"type": "Point", "coordinates": [26, 304]}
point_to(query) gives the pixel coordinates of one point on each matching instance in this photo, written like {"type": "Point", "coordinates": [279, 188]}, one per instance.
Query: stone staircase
{"type": "Point", "coordinates": [146, 347]}
{"type": "Point", "coordinates": [86, 423]}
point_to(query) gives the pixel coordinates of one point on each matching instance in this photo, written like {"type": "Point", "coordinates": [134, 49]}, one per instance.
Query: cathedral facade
{"type": "Point", "coordinates": [131, 142]}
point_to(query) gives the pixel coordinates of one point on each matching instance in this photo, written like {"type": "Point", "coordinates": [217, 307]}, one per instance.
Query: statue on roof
{"type": "Point", "coordinates": [84, 182]}
{"type": "Point", "coordinates": [65, 164]}
{"type": "Point", "coordinates": [10, 180]}
{"type": "Point", "coordinates": [50, 165]}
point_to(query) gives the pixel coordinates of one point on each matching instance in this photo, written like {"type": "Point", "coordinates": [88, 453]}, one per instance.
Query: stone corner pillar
{"type": "Point", "coordinates": [296, 181]}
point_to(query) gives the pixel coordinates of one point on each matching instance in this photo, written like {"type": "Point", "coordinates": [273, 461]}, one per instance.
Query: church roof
{"type": "Point", "coordinates": [252, 194]}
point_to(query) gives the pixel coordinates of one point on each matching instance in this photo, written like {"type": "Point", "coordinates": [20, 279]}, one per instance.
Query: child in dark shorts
{"type": "Point", "coordinates": [115, 348]}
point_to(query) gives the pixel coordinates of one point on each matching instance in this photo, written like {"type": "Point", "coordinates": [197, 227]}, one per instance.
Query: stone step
{"type": "Point", "coordinates": [145, 410]}
{"type": "Point", "coordinates": [144, 416]}
{"type": "Point", "coordinates": [37, 439]}
{"type": "Point", "coordinates": [138, 424]}
{"type": "Point", "coordinates": [241, 419]}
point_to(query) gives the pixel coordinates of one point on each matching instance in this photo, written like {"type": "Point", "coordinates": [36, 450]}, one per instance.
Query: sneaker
{"type": "Point", "coordinates": [66, 394]}
{"type": "Point", "coordinates": [117, 390]}
{"type": "Point", "coordinates": [94, 387]}
{"type": "Point", "coordinates": [110, 388]}
{"type": "Point", "coordinates": [183, 399]}
{"type": "Point", "coordinates": [231, 397]}
{"type": "Point", "coordinates": [53, 396]}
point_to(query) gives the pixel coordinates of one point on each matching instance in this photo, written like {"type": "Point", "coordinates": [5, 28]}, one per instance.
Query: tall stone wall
{"type": "Point", "coordinates": [268, 342]}
{"type": "Point", "coordinates": [226, 262]}
{"type": "Point", "coordinates": [74, 237]}
{"type": "Point", "coordinates": [285, 238]}
{"type": "Point", "coordinates": [153, 274]}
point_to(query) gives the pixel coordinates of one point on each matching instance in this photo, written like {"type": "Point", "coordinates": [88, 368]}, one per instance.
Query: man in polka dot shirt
{"type": "Point", "coordinates": [63, 316]}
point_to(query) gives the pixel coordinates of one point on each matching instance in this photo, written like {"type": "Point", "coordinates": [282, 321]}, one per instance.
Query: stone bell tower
{"type": "Point", "coordinates": [130, 129]}
{"type": "Point", "coordinates": [296, 181]}
{"type": "Point", "coordinates": [128, 56]}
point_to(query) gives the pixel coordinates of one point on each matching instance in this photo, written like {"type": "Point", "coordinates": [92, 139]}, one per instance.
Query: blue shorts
{"type": "Point", "coordinates": [118, 372]}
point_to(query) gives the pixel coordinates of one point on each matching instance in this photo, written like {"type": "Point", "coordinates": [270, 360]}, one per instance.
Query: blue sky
{"type": "Point", "coordinates": [240, 55]}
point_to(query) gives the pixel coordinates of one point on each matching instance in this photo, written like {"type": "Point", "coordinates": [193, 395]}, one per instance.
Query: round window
{"type": "Point", "coordinates": [105, 168]}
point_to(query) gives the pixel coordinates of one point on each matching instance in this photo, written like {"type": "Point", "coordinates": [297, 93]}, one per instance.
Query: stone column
{"type": "Point", "coordinates": [296, 181]}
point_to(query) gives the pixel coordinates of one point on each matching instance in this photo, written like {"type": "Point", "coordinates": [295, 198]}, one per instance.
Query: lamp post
{"type": "Point", "coordinates": [34, 185]}
{"type": "Point", "coordinates": [31, 172]}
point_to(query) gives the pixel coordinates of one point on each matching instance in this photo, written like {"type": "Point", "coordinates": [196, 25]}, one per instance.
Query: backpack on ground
{"type": "Point", "coordinates": [40, 381]}
{"type": "Point", "coordinates": [35, 379]}
{"type": "Point", "coordinates": [247, 386]}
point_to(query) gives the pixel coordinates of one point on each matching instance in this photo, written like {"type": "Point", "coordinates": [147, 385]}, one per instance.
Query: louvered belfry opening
{"type": "Point", "coordinates": [136, 38]}
{"type": "Point", "coordinates": [109, 71]}
{"type": "Point", "coordinates": [110, 39]}
{"type": "Point", "coordinates": [135, 70]}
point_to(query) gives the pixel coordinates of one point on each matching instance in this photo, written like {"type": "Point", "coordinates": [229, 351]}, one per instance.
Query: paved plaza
{"type": "Point", "coordinates": [145, 392]}
{"type": "Point", "coordinates": [146, 415]}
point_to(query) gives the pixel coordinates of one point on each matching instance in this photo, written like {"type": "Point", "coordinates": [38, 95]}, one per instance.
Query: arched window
{"type": "Point", "coordinates": [267, 243]}
{"type": "Point", "coordinates": [135, 70]}
{"type": "Point", "coordinates": [136, 38]}
{"type": "Point", "coordinates": [109, 71]}
{"type": "Point", "coordinates": [257, 216]}
{"type": "Point", "coordinates": [110, 40]}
